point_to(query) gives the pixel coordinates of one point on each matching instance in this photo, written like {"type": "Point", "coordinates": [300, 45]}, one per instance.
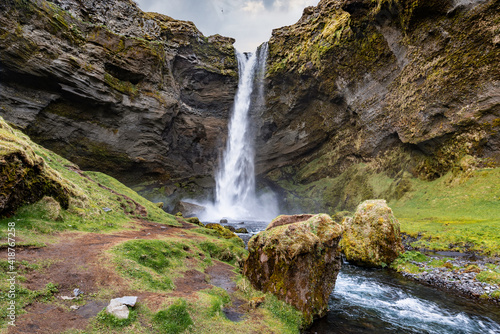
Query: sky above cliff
{"type": "Point", "coordinates": [250, 22]}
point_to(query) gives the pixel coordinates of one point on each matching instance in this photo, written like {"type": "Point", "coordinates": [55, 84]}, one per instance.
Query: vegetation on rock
{"type": "Point", "coordinates": [298, 262]}
{"type": "Point", "coordinates": [372, 237]}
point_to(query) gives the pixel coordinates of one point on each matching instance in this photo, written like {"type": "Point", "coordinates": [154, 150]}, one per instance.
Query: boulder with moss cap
{"type": "Point", "coordinates": [25, 177]}
{"type": "Point", "coordinates": [297, 259]}
{"type": "Point", "coordinates": [372, 238]}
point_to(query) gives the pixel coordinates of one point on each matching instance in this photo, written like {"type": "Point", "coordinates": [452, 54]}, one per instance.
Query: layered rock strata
{"type": "Point", "coordinates": [114, 89]}
{"type": "Point", "coordinates": [359, 87]}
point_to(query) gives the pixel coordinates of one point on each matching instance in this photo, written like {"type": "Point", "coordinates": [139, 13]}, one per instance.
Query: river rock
{"type": "Point", "coordinates": [127, 300]}
{"type": "Point", "coordinates": [188, 209]}
{"type": "Point", "coordinates": [297, 261]}
{"type": "Point", "coordinates": [372, 238]}
{"type": "Point", "coordinates": [223, 232]}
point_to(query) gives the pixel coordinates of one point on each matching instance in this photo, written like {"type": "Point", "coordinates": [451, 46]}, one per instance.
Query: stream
{"type": "Point", "coordinates": [382, 301]}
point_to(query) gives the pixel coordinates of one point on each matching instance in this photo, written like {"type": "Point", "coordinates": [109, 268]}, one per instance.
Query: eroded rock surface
{"type": "Point", "coordinates": [362, 87]}
{"type": "Point", "coordinates": [115, 89]}
{"type": "Point", "coordinates": [372, 238]}
{"type": "Point", "coordinates": [297, 261]}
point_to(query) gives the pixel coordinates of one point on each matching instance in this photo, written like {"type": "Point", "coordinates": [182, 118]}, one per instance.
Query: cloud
{"type": "Point", "coordinates": [250, 22]}
{"type": "Point", "coordinates": [254, 7]}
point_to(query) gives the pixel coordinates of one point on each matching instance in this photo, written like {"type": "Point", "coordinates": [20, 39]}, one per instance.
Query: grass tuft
{"type": "Point", "coordinates": [175, 319]}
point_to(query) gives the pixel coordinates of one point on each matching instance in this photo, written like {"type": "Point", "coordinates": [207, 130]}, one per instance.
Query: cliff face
{"type": "Point", "coordinates": [359, 87]}
{"type": "Point", "coordinates": [115, 89]}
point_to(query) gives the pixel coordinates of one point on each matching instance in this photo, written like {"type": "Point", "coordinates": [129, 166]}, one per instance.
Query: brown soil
{"type": "Point", "coordinates": [79, 261]}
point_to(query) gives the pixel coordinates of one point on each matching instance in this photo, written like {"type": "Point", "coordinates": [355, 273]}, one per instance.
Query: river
{"type": "Point", "coordinates": [382, 301]}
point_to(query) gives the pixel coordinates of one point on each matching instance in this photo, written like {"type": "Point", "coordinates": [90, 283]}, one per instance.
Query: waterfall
{"type": "Point", "coordinates": [235, 195]}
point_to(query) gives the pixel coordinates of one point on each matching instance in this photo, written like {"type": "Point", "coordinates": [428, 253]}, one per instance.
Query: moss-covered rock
{"type": "Point", "coordinates": [223, 231]}
{"type": "Point", "coordinates": [298, 261]}
{"type": "Point", "coordinates": [372, 238]}
{"type": "Point", "coordinates": [25, 177]}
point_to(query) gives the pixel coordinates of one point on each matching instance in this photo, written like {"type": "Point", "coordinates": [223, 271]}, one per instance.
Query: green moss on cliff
{"type": "Point", "coordinates": [458, 211]}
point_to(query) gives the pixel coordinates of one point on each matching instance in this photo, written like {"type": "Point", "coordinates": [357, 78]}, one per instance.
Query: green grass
{"type": "Point", "coordinates": [218, 299]}
{"type": "Point", "coordinates": [404, 262]}
{"type": "Point", "coordinates": [490, 276]}
{"type": "Point", "coordinates": [151, 264]}
{"type": "Point", "coordinates": [454, 212]}
{"type": "Point", "coordinates": [36, 223]}
{"type": "Point", "coordinates": [288, 316]}
{"type": "Point", "coordinates": [227, 250]}
{"type": "Point", "coordinates": [107, 320]}
{"type": "Point", "coordinates": [175, 319]}
{"type": "Point", "coordinates": [22, 295]}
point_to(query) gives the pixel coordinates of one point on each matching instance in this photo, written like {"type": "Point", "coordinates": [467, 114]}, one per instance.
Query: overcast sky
{"type": "Point", "coordinates": [250, 22]}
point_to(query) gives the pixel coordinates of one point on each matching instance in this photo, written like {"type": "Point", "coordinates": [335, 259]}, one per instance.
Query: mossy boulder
{"type": "Point", "coordinates": [297, 261]}
{"type": "Point", "coordinates": [223, 232]}
{"type": "Point", "coordinates": [372, 238]}
{"type": "Point", "coordinates": [25, 177]}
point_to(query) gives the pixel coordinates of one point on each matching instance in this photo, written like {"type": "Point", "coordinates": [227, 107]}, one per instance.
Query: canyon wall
{"type": "Point", "coordinates": [361, 96]}
{"type": "Point", "coordinates": [137, 95]}
{"type": "Point", "coordinates": [360, 90]}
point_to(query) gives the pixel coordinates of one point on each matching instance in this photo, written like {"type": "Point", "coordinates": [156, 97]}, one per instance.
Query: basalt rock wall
{"type": "Point", "coordinates": [136, 95]}
{"type": "Point", "coordinates": [361, 87]}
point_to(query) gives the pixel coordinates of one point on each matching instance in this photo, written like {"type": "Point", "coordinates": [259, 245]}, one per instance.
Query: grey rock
{"type": "Point", "coordinates": [77, 292]}
{"type": "Point", "coordinates": [118, 309]}
{"type": "Point", "coordinates": [127, 300]}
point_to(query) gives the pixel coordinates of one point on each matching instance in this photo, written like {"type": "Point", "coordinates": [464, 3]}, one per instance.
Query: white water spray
{"type": "Point", "coordinates": [235, 196]}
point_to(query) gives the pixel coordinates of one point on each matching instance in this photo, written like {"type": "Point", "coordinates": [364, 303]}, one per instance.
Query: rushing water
{"type": "Point", "coordinates": [235, 181]}
{"type": "Point", "coordinates": [380, 301]}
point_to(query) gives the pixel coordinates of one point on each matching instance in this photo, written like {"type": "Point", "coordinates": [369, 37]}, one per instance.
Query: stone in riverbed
{"type": "Point", "coordinates": [297, 260]}
{"type": "Point", "coordinates": [372, 238]}
{"type": "Point", "coordinates": [188, 209]}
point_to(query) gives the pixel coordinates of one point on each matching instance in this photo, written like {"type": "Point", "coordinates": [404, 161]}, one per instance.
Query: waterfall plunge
{"type": "Point", "coordinates": [235, 196]}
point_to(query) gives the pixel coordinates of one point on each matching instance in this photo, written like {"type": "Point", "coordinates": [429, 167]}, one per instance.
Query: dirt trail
{"type": "Point", "coordinates": [79, 262]}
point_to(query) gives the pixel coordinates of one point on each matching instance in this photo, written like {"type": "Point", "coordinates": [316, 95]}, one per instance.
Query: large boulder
{"type": "Point", "coordinates": [298, 262]}
{"type": "Point", "coordinates": [372, 238]}
{"type": "Point", "coordinates": [188, 209]}
{"type": "Point", "coordinates": [26, 178]}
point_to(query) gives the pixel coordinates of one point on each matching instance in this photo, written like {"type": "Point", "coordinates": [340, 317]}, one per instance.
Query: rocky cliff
{"type": "Point", "coordinates": [362, 96]}
{"type": "Point", "coordinates": [137, 95]}
{"type": "Point", "coordinates": [361, 88]}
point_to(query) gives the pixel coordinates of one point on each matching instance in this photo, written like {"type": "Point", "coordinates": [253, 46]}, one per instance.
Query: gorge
{"type": "Point", "coordinates": [360, 99]}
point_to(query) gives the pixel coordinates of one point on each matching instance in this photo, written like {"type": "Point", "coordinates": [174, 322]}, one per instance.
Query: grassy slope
{"type": "Point", "coordinates": [459, 211]}
{"type": "Point", "coordinates": [454, 212]}
{"type": "Point", "coordinates": [147, 265]}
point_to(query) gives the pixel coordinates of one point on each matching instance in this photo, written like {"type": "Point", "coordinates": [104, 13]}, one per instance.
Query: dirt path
{"type": "Point", "coordinates": [79, 262]}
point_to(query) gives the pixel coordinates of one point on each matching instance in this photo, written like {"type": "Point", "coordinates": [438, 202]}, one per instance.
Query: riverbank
{"type": "Point", "coordinates": [467, 274]}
